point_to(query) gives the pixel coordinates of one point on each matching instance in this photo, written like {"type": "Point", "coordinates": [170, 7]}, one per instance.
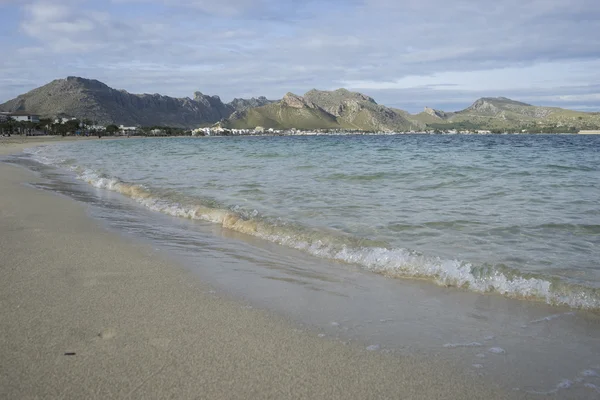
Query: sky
{"type": "Point", "coordinates": [404, 53]}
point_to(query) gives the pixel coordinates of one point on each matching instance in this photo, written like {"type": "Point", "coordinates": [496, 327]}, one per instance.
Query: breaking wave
{"type": "Point", "coordinates": [373, 256]}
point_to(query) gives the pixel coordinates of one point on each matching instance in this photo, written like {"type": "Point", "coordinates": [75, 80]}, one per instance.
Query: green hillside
{"type": "Point", "coordinates": [500, 113]}
{"type": "Point", "coordinates": [339, 109]}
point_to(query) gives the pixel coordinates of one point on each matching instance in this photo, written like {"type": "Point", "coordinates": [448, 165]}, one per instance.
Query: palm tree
{"type": "Point", "coordinates": [45, 124]}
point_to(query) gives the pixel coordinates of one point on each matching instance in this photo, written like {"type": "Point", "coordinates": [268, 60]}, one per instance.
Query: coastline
{"type": "Point", "coordinates": [144, 327]}
{"type": "Point", "coordinates": [15, 144]}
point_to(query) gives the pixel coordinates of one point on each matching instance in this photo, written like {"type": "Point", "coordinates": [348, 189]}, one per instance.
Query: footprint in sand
{"type": "Point", "coordinates": [108, 333]}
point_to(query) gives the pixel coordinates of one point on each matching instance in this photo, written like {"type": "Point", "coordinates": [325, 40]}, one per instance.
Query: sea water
{"type": "Point", "coordinates": [329, 232]}
{"type": "Point", "coordinates": [517, 215]}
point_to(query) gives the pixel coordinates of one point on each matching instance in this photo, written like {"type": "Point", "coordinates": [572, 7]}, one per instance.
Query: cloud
{"type": "Point", "coordinates": [401, 52]}
{"type": "Point", "coordinates": [541, 76]}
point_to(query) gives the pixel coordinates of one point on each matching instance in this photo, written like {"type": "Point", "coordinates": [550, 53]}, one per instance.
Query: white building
{"type": "Point", "coordinates": [23, 116]}
{"type": "Point", "coordinates": [157, 132]}
{"type": "Point", "coordinates": [126, 130]}
{"type": "Point", "coordinates": [201, 132]}
{"type": "Point", "coordinates": [61, 120]}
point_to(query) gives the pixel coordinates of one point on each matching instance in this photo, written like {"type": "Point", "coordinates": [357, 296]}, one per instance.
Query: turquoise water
{"type": "Point", "coordinates": [517, 215]}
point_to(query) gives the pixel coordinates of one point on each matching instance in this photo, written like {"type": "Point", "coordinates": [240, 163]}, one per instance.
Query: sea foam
{"type": "Point", "coordinates": [375, 257]}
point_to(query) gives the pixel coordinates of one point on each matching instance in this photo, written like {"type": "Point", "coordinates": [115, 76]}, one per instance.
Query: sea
{"type": "Point", "coordinates": [485, 247]}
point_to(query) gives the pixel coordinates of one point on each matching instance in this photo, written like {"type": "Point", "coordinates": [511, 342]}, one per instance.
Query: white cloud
{"type": "Point", "coordinates": [540, 76]}
{"type": "Point", "coordinates": [402, 52]}
{"type": "Point", "coordinates": [221, 7]}
{"type": "Point", "coordinates": [62, 28]}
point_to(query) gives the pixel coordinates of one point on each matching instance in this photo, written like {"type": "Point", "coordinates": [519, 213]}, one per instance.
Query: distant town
{"type": "Point", "coordinates": [23, 123]}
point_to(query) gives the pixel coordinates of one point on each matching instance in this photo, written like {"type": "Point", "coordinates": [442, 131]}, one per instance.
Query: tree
{"type": "Point", "coordinates": [7, 127]}
{"type": "Point", "coordinates": [59, 129]}
{"type": "Point", "coordinates": [112, 129]}
{"type": "Point", "coordinates": [45, 124]}
{"type": "Point", "coordinates": [72, 125]}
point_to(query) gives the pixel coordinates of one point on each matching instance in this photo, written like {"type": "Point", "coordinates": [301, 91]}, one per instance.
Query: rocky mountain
{"type": "Point", "coordinates": [244, 104]}
{"type": "Point", "coordinates": [495, 105]}
{"type": "Point", "coordinates": [357, 111]}
{"type": "Point", "coordinates": [439, 114]}
{"type": "Point", "coordinates": [291, 112]}
{"type": "Point", "coordinates": [502, 113]}
{"type": "Point", "coordinates": [338, 109]}
{"type": "Point", "coordinates": [92, 99]}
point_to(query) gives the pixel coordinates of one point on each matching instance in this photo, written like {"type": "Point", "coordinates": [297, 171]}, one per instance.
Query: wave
{"type": "Point", "coordinates": [373, 256]}
{"type": "Point", "coordinates": [364, 177]}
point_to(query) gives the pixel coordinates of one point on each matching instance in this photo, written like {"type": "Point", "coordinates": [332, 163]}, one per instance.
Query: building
{"type": "Point", "coordinates": [127, 130]}
{"type": "Point", "coordinates": [62, 120]}
{"type": "Point", "coordinates": [589, 132]}
{"type": "Point", "coordinates": [23, 116]}
{"type": "Point", "coordinates": [158, 132]}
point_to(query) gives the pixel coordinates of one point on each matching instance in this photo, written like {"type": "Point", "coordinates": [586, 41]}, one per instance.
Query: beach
{"type": "Point", "coordinates": [88, 313]}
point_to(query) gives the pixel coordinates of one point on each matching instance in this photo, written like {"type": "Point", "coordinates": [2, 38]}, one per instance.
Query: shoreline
{"type": "Point", "coordinates": [16, 144]}
{"type": "Point", "coordinates": [92, 314]}
{"type": "Point", "coordinates": [539, 285]}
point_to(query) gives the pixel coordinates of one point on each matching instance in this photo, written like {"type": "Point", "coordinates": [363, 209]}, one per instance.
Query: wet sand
{"type": "Point", "coordinates": [87, 313]}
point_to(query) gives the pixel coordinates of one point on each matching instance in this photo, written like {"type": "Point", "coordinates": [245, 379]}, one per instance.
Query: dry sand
{"type": "Point", "coordinates": [85, 313]}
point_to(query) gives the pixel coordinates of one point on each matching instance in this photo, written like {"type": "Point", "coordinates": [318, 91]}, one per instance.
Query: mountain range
{"type": "Point", "coordinates": [91, 99]}
{"type": "Point", "coordinates": [316, 109]}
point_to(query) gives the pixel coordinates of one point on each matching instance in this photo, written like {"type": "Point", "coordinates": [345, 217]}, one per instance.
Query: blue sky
{"type": "Point", "coordinates": [404, 53]}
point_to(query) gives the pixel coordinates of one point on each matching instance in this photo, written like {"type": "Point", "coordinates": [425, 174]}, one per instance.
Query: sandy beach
{"type": "Point", "coordinates": [87, 313]}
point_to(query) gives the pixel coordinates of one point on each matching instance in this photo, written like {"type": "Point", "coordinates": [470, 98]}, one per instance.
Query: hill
{"type": "Point", "coordinates": [291, 112]}
{"type": "Point", "coordinates": [339, 109]}
{"type": "Point", "coordinates": [244, 104]}
{"type": "Point", "coordinates": [501, 113]}
{"type": "Point", "coordinates": [94, 100]}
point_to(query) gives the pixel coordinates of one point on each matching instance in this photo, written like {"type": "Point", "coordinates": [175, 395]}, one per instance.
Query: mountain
{"type": "Point", "coordinates": [94, 100]}
{"type": "Point", "coordinates": [291, 112]}
{"type": "Point", "coordinates": [338, 109]}
{"type": "Point", "coordinates": [357, 111]}
{"type": "Point", "coordinates": [244, 104]}
{"type": "Point", "coordinates": [503, 113]}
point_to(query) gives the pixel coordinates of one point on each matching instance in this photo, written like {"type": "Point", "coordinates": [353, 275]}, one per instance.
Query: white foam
{"type": "Point", "coordinates": [564, 384]}
{"type": "Point", "coordinates": [592, 386]}
{"type": "Point", "coordinates": [477, 366]}
{"type": "Point", "coordinates": [389, 262]}
{"type": "Point", "coordinates": [551, 317]}
{"type": "Point", "coordinates": [496, 350]}
{"type": "Point", "coordinates": [590, 373]}
{"type": "Point", "coordinates": [373, 347]}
